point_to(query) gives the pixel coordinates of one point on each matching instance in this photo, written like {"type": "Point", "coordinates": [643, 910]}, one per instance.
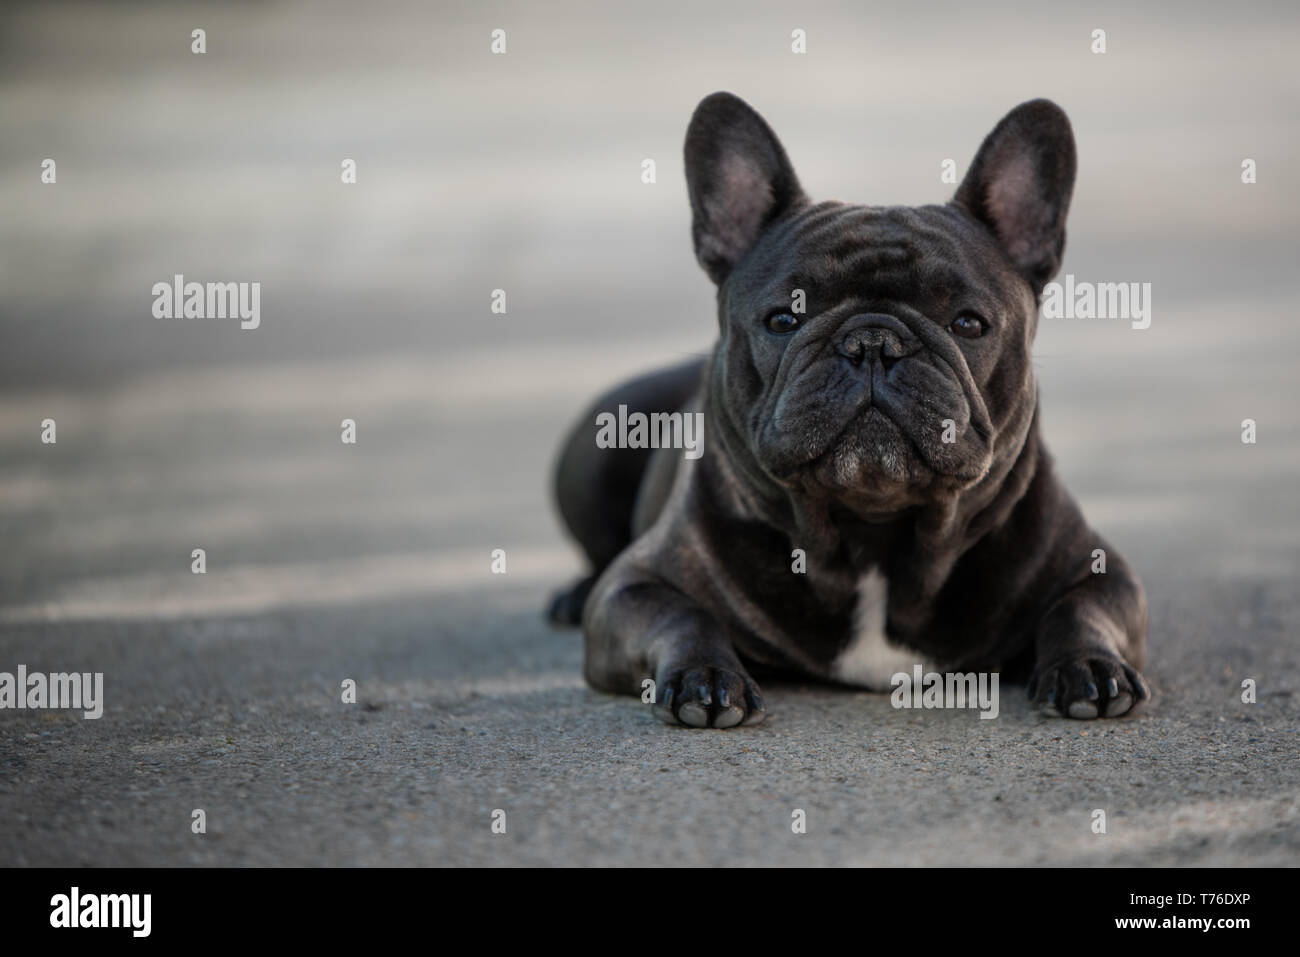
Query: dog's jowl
{"type": "Point", "coordinates": [872, 491]}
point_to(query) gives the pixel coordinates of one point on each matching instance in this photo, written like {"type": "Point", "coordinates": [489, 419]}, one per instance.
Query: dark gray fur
{"type": "Point", "coordinates": [829, 439]}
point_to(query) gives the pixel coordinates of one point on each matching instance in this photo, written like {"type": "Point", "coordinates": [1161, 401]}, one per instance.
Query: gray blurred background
{"type": "Point", "coordinates": [522, 172]}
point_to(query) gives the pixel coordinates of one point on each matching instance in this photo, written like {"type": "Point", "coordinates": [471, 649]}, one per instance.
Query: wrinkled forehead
{"type": "Point", "coordinates": [935, 259]}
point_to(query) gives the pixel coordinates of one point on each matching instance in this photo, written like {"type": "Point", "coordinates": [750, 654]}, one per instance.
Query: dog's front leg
{"type": "Point", "coordinates": [641, 627]}
{"type": "Point", "coordinates": [1090, 645]}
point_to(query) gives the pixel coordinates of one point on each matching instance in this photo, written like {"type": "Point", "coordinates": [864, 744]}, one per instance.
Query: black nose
{"type": "Point", "coordinates": [869, 341]}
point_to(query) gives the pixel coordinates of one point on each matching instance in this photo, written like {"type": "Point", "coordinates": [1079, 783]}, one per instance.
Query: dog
{"type": "Point", "coordinates": [873, 492]}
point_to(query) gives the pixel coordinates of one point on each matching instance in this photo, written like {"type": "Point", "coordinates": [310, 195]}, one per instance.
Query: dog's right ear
{"type": "Point", "coordinates": [739, 180]}
{"type": "Point", "coordinates": [1020, 185]}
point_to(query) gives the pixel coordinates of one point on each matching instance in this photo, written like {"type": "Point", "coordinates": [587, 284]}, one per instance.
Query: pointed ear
{"type": "Point", "coordinates": [1020, 184]}
{"type": "Point", "coordinates": [739, 180]}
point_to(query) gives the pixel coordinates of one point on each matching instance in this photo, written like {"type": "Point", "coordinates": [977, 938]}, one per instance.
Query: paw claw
{"type": "Point", "coordinates": [1089, 686]}
{"type": "Point", "coordinates": [1136, 682]}
{"type": "Point", "coordinates": [708, 697]}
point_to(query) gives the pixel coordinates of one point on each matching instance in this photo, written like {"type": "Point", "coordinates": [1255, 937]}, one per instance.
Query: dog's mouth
{"type": "Point", "coordinates": [873, 413]}
{"type": "Point", "coordinates": [886, 451]}
{"type": "Point", "coordinates": [871, 453]}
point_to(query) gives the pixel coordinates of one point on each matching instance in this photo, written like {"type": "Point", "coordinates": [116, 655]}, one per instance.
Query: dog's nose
{"type": "Point", "coordinates": [867, 342]}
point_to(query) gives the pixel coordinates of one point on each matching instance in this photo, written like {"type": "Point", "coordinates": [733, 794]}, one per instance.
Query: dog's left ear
{"type": "Point", "coordinates": [1020, 184]}
{"type": "Point", "coordinates": [739, 179]}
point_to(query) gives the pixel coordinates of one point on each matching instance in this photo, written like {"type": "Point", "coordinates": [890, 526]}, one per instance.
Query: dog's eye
{"type": "Point", "coordinates": [782, 322]}
{"type": "Point", "coordinates": [968, 326]}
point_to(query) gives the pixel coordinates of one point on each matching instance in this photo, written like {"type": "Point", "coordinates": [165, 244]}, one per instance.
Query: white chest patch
{"type": "Point", "coordinates": [869, 660]}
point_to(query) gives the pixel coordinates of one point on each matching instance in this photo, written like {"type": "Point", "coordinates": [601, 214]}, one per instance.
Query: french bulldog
{"type": "Point", "coordinates": [873, 492]}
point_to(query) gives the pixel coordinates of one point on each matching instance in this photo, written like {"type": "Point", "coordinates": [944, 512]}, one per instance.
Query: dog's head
{"type": "Point", "coordinates": [879, 354]}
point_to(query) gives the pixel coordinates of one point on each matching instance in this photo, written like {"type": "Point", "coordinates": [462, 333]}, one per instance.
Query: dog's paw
{"type": "Point", "coordinates": [1088, 686]}
{"type": "Point", "coordinates": [567, 604]}
{"type": "Point", "coordinates": [708, 698]}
